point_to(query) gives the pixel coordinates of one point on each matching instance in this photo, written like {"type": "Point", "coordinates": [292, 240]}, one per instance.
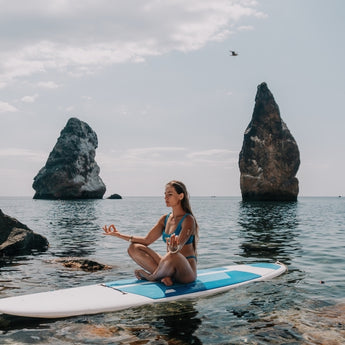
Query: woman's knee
{"type": "Point", "coordinates": [168, 257]}
{"type": "Point", "coordinates": [133, 248]}
{"type": "Point", "coordinates": [174, 258]}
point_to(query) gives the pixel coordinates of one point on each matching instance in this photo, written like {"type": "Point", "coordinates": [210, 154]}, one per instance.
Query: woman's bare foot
{"type": "Point", "coordinates": [142, 275]}
{"type": "Point", "coordinates": [167, 281]}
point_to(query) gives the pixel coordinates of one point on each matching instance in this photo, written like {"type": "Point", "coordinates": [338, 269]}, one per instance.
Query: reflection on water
{"type": "Point", "coordinates": [181, 324]}
{"type": "Point", "coordinates": [170, 323]}
{"type": "Point", "coordinates": [74, 227]}
{"type": "Point", "coordinates": [269, 230]}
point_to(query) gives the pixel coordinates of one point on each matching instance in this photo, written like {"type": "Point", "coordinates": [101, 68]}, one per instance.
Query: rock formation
{"type": "Point", "coordinates": [83, 264]}
{"type": "Point", "coordinates": [17, 239]}
{"type": "Point", "coordinates": [269, 159]}
{"type": "Point", "coordinates": [71, 171]}
{"type": "Point", "coordinates": [115, 196]}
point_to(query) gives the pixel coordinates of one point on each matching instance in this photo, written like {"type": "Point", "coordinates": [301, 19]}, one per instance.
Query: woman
{"type": "Point", "coordinates": [178, 229]}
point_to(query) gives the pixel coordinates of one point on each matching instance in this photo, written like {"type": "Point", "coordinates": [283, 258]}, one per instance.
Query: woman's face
{"type": "Point", "coordinates": [172, 198]}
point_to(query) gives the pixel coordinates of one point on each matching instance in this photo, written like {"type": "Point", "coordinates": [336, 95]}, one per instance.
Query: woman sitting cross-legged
{"type": "Point", "coordinates": [178, 229]}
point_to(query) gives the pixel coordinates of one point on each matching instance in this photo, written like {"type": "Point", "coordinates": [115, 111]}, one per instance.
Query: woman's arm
{"type": "Point", "coordinates": [151, 236]}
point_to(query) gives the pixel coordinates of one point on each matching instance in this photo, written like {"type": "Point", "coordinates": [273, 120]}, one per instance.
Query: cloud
{"type": "Point", "coordinates": [141, 158]}
{"type": "Point", "coordinates": [7, 108]}
{"type": "Point", "coordinates": [245, 28]}
{"type": "Point", "coordinates": [148, 158]}
{"type": "Point", "coordinates": [213, 156]}
{"type": "Point", "coordinates": [48, 85]}
{"type": "Point", "coordinates": [25, 154]}
{"type": "Point", "coordinates": [29, 99]}
{"type": "Point", "coordinates": [81, 36]}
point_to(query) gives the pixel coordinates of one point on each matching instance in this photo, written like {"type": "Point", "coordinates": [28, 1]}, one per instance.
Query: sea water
{"type": "Point", "coordinates": [304, 306]}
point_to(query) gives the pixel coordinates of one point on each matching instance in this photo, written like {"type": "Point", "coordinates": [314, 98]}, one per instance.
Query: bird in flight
{"type": "Point", "coordinates": [233, 53]}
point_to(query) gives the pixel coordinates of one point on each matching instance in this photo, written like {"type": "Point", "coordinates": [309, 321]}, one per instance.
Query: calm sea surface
{"type": "Point", "coordinates": [304, 306]}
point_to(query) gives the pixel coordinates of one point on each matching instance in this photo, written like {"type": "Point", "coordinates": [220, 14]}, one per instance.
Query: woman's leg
{"type": "Point", "coordinates": [171, 267]}
{"type": "Point", "coordinates": [145, 257]}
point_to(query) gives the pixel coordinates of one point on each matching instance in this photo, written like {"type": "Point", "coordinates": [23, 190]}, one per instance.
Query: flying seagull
{"type": "Point", "coordinates": [233, 53]}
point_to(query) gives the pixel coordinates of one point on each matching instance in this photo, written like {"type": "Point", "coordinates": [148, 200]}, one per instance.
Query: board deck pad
{"type": "Point", "coordinates": [124, 294]}
{"type": "Point", "coordinates": [204, 282]}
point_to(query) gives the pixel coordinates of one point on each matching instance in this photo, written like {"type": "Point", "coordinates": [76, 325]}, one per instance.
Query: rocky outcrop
{"type": "Point", "coordinates": [83, 264]}
{"type": "Point", "coordinates": [269, 159]}
{"type": "Point", "coordinates": [71, 171]}
{"type": "Point", "coordinates": [17, 239]}
{"type": "Point", "coordinates": [115, 196]}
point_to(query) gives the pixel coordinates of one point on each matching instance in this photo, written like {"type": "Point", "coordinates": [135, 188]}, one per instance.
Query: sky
{"type": "Point", "coordinates": [155, 80]}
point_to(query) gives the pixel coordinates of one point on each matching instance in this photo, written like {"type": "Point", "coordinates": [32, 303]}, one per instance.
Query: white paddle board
{"type": "Point", "coordinates": [123, 294]}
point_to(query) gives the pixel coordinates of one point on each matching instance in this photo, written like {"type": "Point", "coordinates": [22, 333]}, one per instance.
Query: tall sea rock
{"type": "Point", "coordinates": [71, 171]}
{"type": "Point", "coordinates": [269, 159]}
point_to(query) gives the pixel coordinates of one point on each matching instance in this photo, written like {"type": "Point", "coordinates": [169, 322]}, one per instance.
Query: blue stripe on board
{"type": "Point", "coordinates": [208, 270]}
{"type": "Point", "coordinates": [157, 290]}
{"type": "Point", "coordinates": [266, 265]}
{"type": "Point", "coordinates": [121, 282]}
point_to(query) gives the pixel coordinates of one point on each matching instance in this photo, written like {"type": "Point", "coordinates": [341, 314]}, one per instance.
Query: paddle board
{"type": "Point", "coordinates": [123, 294]}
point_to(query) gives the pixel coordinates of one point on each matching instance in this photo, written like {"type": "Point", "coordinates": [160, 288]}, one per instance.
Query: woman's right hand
{"type": "Point", "coordinates": [111, 230]}
{"type": "Point", "coordinates": [173, 244]}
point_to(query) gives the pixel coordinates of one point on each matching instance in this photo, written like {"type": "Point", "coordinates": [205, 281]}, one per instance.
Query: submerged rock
{"type": "Point", "coordinates": [320, 325]}
{"type": "Point", "coordinates": [71, 171]}
{"type": "Point", "coordinates": [269, 159]}
{"type": "Point", "coordinates": [83, 264]}
{"type": "Point", "coordinates": [17, 239]}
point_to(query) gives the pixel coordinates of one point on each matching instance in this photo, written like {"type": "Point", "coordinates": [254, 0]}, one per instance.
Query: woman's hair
{"type": "Point", "coordinates": [181, 188]}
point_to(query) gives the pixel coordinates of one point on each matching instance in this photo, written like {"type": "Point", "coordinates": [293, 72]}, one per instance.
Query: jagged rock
{"type": "Point", "coordinates": [115, 196]}
{"type": "Point", "coordinates": [83, 264]}
{"type": "Point", "coordinates": [71, 171]}
{"type": "Point", "coordinates": [17, 239]}
{"type": "Point", "coordinates": [269, 159]}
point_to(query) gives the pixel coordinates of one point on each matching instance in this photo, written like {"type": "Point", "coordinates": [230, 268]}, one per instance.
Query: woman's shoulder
{"type": "Point", "coordinates": [189, 219]}
{"type": "Point", "coordinates": [163, 218]}
{"type": "Point", "coordinates": [189, 215]}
